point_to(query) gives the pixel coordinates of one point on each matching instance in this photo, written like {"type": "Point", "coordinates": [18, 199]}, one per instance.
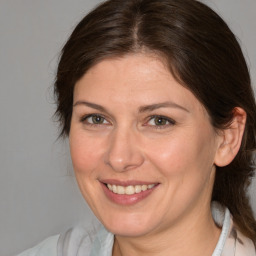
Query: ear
{"type": "Point", "coordinates": [231, 138]}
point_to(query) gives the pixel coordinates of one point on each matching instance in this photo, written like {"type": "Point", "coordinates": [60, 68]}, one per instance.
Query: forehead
{"type": "Point", "coordinates": [137, 79]}
{"type": "Point", "coordinates": [130, 69]}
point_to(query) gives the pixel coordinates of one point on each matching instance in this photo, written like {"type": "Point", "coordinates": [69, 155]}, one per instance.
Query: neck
{"type": "Point", "coordinates": [197, 237]}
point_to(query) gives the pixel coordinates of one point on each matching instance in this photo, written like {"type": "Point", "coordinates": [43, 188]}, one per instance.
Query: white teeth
{"type": "Point", "coordinates": [144, 187]}
{"type": "Point", "coordinates": [114, 188]}
{"type": "Point", "coordinates": [120, 190]}
{"type": "Point", "coordinates": [129, 190]}
{"type": "Point", "coordinates": [137, 189]}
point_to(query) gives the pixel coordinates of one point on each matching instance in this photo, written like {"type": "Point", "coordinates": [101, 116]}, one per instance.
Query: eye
{"type": "Point", "coordinates": [160, 121]}
{"type": "Point", "coordinates": [94, 119]}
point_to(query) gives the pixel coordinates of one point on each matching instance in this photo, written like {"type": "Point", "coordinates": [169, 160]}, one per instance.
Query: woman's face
{"type": "Point", "coordinates": [142, 146]}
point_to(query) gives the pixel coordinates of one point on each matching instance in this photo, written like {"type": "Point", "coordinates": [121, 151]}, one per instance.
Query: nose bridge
{"type": "Point", "coordinates": [123, 151]}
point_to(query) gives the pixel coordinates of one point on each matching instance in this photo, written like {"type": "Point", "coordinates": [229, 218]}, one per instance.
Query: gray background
{"type": "Point", "coordinates": [38, 194]}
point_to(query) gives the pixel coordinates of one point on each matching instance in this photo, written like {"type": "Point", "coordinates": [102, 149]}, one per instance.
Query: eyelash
{"type": "Point", "coordinates": [170, 122]}
{"type": "Point", "coordinates": [85, 118]}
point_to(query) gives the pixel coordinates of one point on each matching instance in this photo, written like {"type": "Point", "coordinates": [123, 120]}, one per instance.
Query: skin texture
{"type": "Point", "coordinates": [128, 145]}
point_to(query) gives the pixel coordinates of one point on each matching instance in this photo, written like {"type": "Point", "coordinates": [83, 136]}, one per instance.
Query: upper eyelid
{"type": "Point", "coordinates": [170, 120]}
{"type": "Point", "coordinates": [99, 110]}
{"type": "Point", "coordinates": [84, 117]}
{"type": "Point", "coordinates": [161, 116]}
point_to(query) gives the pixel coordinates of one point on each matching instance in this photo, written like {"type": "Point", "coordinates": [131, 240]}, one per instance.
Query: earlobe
{"type": "Point", "coordinates": [231, 138]}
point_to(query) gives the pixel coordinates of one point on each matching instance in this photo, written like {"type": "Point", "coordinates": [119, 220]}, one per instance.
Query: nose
{"type": "Point", "coordinates": [123, 151]}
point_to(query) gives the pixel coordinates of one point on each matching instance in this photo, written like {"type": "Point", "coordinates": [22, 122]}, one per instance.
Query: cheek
{"type": "Point", "coordinates": [182, 154]}
{"type": "Point", "coordinates": [170, 155]}
{"type": "Point", "coordinates": [85, 155]}
{"type": "Point", "coordinates": [85, 152]}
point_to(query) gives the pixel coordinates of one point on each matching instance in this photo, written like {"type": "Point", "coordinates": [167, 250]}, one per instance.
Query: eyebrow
{"type": "Point", "coordinates": [167, 104]}
{"type": "Point", "coordinates": [91, 105]}
{"type": "Point", "coordinates": [142, 109]}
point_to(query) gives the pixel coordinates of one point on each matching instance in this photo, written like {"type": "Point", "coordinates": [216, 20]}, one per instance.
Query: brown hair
{"type": "Point", "coordinates": [203, 55]}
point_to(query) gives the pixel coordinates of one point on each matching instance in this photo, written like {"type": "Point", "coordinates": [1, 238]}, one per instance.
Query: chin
{"type": "Point", "coordinates": [131, 226]}
{"type": "Point", "coordinates": [128, 231]}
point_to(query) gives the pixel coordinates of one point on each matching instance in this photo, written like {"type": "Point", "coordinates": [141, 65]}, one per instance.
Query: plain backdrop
{"type": "Point", "coordinates": [38, 193]}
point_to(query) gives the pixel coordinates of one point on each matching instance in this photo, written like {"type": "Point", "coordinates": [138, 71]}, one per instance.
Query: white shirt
{"type": "Point", "coordinates": [80, 242]}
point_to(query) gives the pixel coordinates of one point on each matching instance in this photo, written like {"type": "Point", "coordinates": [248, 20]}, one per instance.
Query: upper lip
{"type": "Point", "coordinates": [127, 183]}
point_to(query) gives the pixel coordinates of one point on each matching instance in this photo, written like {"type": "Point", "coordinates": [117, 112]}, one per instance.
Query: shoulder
{"type": "Point", "coordinates": [47, 247]}
{"type": "Point", "coordinates": [77, 241]}
{"type": "Point", "coordinates": [83, 242]}
{"type": "Point", "coordinates": [232, 242]}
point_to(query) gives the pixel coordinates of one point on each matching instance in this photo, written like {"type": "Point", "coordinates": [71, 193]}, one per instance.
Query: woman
{"type": "Point", "coordinates": [156, 99]}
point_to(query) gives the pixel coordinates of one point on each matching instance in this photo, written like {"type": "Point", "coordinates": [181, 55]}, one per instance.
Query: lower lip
{"type": "Point", "coordinates": [126, 199]}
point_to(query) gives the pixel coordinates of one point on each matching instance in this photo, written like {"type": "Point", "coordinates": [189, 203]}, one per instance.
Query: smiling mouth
{"type": "Point", "coordinates": [129, 190]}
